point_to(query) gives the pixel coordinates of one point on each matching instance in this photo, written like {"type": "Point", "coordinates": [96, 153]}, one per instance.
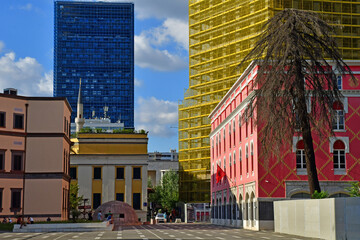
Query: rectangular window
{"type": "Point", "coordinates": [18, 121]}
{"type": "Point", "coordinates": [17, 161]}
{"type": "Point", "coordinates": [120, 197]}
{"type": "Point", "coordinates": [136, 173]}
{"type": "Point", "coordinates": [136, 201]}
{"type": "Point", "coordinates": [251, 125]}
{"type": "Point", "coordinates": [339, 120]}
{"type": "Point", "coordinates": [15, 199]}
{"type": "Point", "coordinates": [73, 173]}
{"type": "Point", "coordinates": [339, 82]}
{"type": "Point", "coordinates": [2, 160]}
{"type": "Point", "coordinates": [246, 129]}
{"type": "Point", "coordinates": [1, 199]}
{"type": "Point", "coordinates": [339, 159]}
{"type": "Point", "coordinates": [239, 128]}
{"type": "Point", "coordinates": [120, 173]}
{"type": "Point", "coordinates": [97, 172]}
{"type": "Point", "coordinates": [2, 119]}
{"type": "Point", "coordinates": [96, 200]}
{"type": "Point", "coordinates": [300, 159]}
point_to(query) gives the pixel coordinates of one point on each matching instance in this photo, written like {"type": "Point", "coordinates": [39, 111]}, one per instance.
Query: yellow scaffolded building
{"type": "Point", "coordinates": [221, 33]}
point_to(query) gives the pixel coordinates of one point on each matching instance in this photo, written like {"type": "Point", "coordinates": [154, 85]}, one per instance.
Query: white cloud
{"type": "Point", "coordinates": [25, 74]}
{"type": "Point", "coordinates": [26, 7]}
{"type": "Point", "coordinates": [172, 29]}
{"type": "Point", "coordinates": [138, 82]}
{"type": "Point", "coordinates": [157, 116]}
{"type": "Point", "coordinates": [161, 60]}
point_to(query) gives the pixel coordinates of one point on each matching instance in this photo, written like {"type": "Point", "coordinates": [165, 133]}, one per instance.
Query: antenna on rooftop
{"type": "Point", "coordinates": [106, 109]}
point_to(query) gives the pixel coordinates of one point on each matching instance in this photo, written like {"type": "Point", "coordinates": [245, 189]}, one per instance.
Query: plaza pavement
{"type": "Point", "coordinates": [159, 231]}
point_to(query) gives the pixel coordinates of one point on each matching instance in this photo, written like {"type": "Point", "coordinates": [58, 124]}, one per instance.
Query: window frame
{"type": "Point", "coordinates": [12, 207]}
{"type": "Point", "coordinates": [339, 79]}
{"type": "Point", "coordinates": [75, 172]}
{"type": "Point", "coordinates": [3, 116]}
{"type": "Point", "coordinates": [123, 197]}
{"type": "Point", "coordinates": [14, 120]}
{"type": "Point", "coordinates": [123, 173]}
{"type": "Point", "coordinates": [94, 173]}
{"type": "Point", "coordinates": [339, 160]}
{"type": "Point", "coordinates": [1, 198]}
{"type": "Point", "coordinates": [339, 116]}
{"type": "Point", "coordinates": [17, 153]}
{"type": "Point", "coordinates": [2, 161]}
{"type": "Point", "coordinates": [133, 173]}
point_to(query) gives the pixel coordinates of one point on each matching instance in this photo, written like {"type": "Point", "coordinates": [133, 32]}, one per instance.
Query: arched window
{"type": "Point", "coordinates": [301, 195]}
{"type": "Point", "coordinates": [234, 132]}
{"type": "Point", "coordinates": [247, 159]}
{"type": "Point", "coordinates": [224, 138]}
{"type": "Point", "coordinates": [300, 158]}
{"type": "Point", "coordinates": [230, 135]}
{"type": "Point", "coordinates": [339, 157]}
{"type": "Point", "coordinates": [224, 168]}
{"type": "Point", "coordinates": [240, 162]}
{"type": "Point", "coordinates": [339, 119]}
{"type": "Point", "coordinates": [239, 128]}
{"type": "Point", "coordinates": [234, 160]}
{"type": "Point", "coordinates": [337, 195]}
{"type": "Point", "coordinates": [252, 157]}
{"type": "Point", "coordinates": [230, 162]}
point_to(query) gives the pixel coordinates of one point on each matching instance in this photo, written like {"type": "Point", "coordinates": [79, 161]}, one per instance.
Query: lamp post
{"type": "Point", "coordinates": [85, 200]}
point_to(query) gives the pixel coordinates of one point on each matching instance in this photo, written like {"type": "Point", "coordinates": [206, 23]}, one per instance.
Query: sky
{"type": "Point", "coordinates": [161, 59]}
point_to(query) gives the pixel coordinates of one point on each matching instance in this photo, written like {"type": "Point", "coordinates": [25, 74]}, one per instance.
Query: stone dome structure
{"type": "Point", "coordinates": [122, 213]}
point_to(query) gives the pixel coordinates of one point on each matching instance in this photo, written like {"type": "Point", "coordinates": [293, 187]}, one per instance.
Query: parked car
{"type": "Point", "coordinates": [160, 217]}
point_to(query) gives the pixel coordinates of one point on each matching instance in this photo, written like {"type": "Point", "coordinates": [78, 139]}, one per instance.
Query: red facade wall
{"type": "Point", "coordinates": [270, 174]}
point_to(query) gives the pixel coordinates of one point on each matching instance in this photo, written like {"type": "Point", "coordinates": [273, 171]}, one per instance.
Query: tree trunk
{"type": "Point", "coordinates": [306, 131]}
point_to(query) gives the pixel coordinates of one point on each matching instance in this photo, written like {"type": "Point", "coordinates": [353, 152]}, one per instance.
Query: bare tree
{"type": "Point", "coordinates": [296, 45]}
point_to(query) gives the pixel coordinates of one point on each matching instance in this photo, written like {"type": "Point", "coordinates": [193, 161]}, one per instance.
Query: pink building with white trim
{"type": "Point", "coordinates": [244, 197]}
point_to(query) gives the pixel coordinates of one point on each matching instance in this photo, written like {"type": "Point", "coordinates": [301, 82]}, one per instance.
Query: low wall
{"type": "Point", "coordinates": [63, 227]}
{"type": "Point", "coordinates": [331, 218]}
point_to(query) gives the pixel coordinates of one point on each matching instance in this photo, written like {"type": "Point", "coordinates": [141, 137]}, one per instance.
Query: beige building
{"type": "Point", "coordinates": [111, 166]}
{"type": "Point", "coordinates": [34, 156]}
{"type": "Point", "coordinates": [161, 162]}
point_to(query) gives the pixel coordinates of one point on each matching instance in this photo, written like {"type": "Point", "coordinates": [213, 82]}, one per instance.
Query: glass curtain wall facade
{"type": "Point", "coordinates": [95, 42]}
{"type": "Point", "coordinates": [221, 33]}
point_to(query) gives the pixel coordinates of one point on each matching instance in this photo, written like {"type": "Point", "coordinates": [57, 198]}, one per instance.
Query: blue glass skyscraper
{"type": "Point", "coordinates": [94, 41]}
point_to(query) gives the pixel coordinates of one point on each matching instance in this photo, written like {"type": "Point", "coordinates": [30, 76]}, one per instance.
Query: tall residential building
{"type": "Point", "coordinates": [94, 41]}
{"type": "Point", "coordinates": [34, 156]}
{"type": "Point", "coordinates": [221, 34]}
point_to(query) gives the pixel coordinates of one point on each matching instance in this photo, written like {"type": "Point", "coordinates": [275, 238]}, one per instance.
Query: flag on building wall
{"type": "Point", "coordinates": [219, 174]}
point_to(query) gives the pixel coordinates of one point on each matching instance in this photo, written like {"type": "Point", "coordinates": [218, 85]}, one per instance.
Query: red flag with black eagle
{"type": "Point", "coordinates": [219, 174]}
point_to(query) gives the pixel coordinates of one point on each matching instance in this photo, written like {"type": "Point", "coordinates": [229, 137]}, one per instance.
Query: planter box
{"type": "Point", "coordinates": [63, 227]}
{"type": "Point", "coordinates": [331, 218]}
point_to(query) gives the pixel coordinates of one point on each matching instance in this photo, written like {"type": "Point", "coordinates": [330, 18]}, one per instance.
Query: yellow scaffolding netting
{"type": "Point", "coordinates": [222, 32]}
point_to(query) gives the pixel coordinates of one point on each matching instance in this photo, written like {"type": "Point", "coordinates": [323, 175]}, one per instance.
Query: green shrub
{"type": "Point", "coordinates": [320, 195]}
{"type": "Point", "coordinates": [354, 189]}
{"type": "Point", "coordinates": [86, 130]}
{"type": "Point", "coordinates": [6, 226]}
{"type": "Point", "coordinates": [99, 130]}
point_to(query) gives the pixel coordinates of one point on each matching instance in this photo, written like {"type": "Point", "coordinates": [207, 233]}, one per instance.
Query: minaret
{"type": "Point", "coordinates": [79, 120]}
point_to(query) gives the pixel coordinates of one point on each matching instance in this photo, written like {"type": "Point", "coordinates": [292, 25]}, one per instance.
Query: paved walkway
{"type": "Point", "coordinates": [159, 231]}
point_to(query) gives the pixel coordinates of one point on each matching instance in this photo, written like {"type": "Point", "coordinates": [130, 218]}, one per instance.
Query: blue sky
{"type": "Point", "coordinates": [161, 59]}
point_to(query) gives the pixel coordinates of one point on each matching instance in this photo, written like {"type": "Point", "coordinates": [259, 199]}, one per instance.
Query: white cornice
{"type": "Point", "coordinates": [234, 113]}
